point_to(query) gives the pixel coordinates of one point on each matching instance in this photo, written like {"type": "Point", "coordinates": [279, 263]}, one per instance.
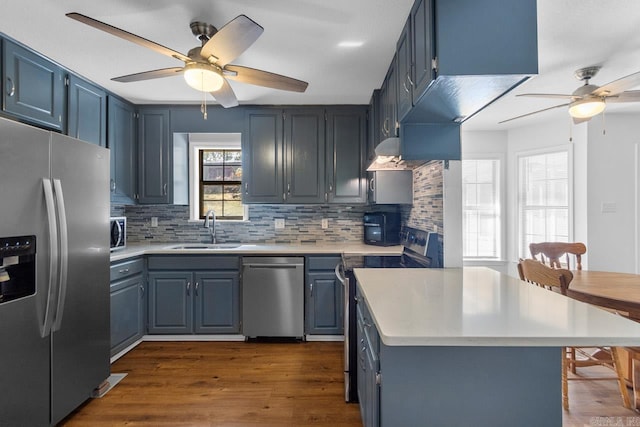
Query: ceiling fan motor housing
{"type": "Point", "coordinates": [202, 31]}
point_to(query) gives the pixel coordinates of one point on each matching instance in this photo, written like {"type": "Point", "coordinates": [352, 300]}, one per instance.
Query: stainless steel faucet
{"type": "Point", "coordinates": [211, 224]}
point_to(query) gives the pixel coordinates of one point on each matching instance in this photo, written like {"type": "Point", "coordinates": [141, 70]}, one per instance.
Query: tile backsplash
{"type": "Point", "coordinates": [302, 222]}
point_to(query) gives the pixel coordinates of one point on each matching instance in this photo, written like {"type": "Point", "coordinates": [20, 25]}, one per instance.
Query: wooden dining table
{"type": "Point", "coordinates": [619, 292]}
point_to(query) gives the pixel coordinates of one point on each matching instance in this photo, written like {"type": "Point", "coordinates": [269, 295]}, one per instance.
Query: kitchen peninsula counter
{"type": "Point", "coordinates": [134, 250]}
{"type": "Point", "coordinates": [470, 346]}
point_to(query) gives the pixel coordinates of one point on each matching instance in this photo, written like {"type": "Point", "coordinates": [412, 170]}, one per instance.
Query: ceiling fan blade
{"type": "Point", "coordinates": [620, 85]}
{"type": "Point", "coordinates": [548, 95]}
{"type": "Point", "coordinates": [264, 78]}
{"type": "Point", "coordinates": [148, 75]}
{"type": "Point", "coordinates": [534, 112]}
{"type": "Point", "coordinates": [628, 96]}
{"type": "Point", "coordinates": [225, 95]}
{"type": "Point", "coordinates": [127, 36]}
{"type": "Point", "coordinates": [231, 40]}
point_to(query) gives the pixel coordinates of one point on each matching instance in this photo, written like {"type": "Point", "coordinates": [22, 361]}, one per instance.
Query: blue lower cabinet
{"type": "Point", "coordinates": [128, 304]}
{"type": "Point", "coordinates": [185, 298]}
{"type": "Point", "coordinates": [216, 298]}
{"type": "Point", "coordinates": [324, 299]}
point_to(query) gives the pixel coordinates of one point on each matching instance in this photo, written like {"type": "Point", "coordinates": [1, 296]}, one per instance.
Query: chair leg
{"type": "Point", "coordinates": [621, 383]}
{"type": "Point", "coordinates": [565, 386]}
{"type": "Point", "coordinates": [573, 358]}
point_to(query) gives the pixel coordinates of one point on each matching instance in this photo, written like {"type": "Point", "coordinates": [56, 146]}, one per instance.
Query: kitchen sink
{"type": "Point", "coordinates": [196, 246]}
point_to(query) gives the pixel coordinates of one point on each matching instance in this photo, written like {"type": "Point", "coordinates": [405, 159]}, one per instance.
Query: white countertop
{"type": "Point", "coordinates": [133, 250]}
{"type": "Point", "coordinates": [477, 306]}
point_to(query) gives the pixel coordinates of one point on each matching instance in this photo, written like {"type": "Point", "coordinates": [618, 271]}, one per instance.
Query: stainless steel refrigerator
{"type": "Point", "coordinates": [54, 342]}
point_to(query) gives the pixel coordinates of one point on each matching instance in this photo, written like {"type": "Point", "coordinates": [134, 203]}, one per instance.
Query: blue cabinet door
{"type": "Point", "coordinates": [33, 87]}
{"type": "Point", "coordinates": [123, 147]}
{"type": "Point", "coordinates": [324, 304]}
{"type": "Point", "coordinates": [217, 302]}
{"type": "Point", "coordinates": [154, 166]}
{"type": "Point", "coordinates": [170, 308]}
{"type": "Point", "coordinates": [404, 81]}
{"type": "Point", "coordinates": [127, 312]}
{"type": "Point", "coordinates": [346, 151]}
{"type": "Point", "coordinates": [262, 152]}
{"type": "Point", "coordinates": [86, 111]}
{"type": "Point", "coordinates": [421, 23]}
{"type": "Point", "coordinates": [304, 142]}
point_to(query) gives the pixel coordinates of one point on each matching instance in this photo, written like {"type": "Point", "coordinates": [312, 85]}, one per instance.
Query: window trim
{"type": "Point", "coordinates": [568, 148]}
{"type": "Point", "coordinates": [215, 141]}
{"type": "Point", "coordinates": [502, 202]}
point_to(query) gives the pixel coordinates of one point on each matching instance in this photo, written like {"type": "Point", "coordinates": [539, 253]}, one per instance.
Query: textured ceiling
{"type": "Point", "coordinates": [301, 40]}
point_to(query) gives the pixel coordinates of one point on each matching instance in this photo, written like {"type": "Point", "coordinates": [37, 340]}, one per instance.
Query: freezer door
{"type": "Point", "coordinates": [80, 355]}
{"type": "Point", "coordinates": [24, 354]}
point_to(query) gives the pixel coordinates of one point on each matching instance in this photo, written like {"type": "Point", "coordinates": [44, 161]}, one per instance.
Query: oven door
{"type": "Point", "coordinates": [117, 233]}
{"type": "Point", "coordinates": [348, 281]}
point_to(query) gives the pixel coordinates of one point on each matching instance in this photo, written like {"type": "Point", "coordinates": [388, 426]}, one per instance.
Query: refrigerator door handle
{"type": "Point", "coordinates": [53, 256]}
{"type": "Point", "coordinates": [64, 254]}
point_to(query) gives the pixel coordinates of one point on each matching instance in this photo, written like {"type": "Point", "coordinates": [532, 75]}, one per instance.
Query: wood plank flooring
{"type": "Point", "coordinates": [267, 384]}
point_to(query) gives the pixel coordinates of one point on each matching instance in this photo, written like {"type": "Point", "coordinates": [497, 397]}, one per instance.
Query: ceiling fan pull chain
{"type": "Point", "coordinates": [203, 107]}
{"type": "Point", "coordinates": [604, 129]}
{"type": "Point", "coordinates": [570, 130]}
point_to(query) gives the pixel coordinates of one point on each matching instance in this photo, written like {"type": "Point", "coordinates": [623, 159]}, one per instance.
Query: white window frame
{"type": "Point", "coordinates": [568, 148]}
{"type": "Point", "coordinates": [214, 141]}
{"type": "Point", "coordinates": [501, 198]}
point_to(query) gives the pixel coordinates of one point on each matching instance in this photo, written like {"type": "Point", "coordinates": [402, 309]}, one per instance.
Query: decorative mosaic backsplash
{"type": "Point", "coordinates": [302, 222]}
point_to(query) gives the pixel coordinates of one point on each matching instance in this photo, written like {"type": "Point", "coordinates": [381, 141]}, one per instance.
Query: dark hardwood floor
{"type": "Point", "coordinates": [266, 384]}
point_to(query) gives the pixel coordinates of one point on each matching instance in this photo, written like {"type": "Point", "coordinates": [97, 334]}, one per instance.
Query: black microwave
{"type": "Point", "coordinates": [382, 228]}
{"type": "Point", "coordinates": [118, 232]}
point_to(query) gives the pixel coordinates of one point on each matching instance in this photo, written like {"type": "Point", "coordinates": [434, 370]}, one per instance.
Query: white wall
{"type": "Point", "coordinates": [613, 180]}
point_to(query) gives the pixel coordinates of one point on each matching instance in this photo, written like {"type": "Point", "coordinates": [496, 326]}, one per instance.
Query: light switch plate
{"type": "Point", "coordinates": [279, 223]}
{"type": "Point", "coordinates": [325, 223]}
{"type": "Point", "coordinates": [154, 221]}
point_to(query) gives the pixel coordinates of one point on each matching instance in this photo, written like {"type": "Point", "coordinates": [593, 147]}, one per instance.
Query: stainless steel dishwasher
{"type": "Point", "coordinates": [273, 296]}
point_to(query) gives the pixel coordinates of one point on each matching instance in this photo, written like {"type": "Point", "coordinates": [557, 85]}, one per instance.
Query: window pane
{"type": "Point", "coordinates": [233, 209]}
{"type": "Point", "coordinates": [212, 192]}
{"type": "Point", "coordinates": [544, 199]}
{"type": "Point", "coordinates": [212, 173]}
{"type": "Point", "coordinates": [233, 156]}
{"type": "Point", "coordinates": [481, 208]}
{"type": "Point", "coordinates": [210, 157]}
{"type": "Point", "coordinates": [216, 206]}
{"type": "Point", "coordinates": [232, 192]}
{"type": "Point", "coordinates": [233, 173]}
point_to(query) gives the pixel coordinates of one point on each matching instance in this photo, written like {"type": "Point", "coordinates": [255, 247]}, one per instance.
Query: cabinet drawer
{"type": "Point", "coordinates": [194, 262]}
{"type": "Point", "coordinates": [323, 262]}
{"type": "Point", "coordinates": [124, 269]}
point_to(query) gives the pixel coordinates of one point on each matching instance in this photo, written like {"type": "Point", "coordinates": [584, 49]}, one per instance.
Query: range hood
{"type": "Point", "coordinates": [388, 157]}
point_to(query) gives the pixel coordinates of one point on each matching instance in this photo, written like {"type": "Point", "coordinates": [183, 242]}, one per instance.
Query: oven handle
{"type": "Point", "coordinates": [340, 273]}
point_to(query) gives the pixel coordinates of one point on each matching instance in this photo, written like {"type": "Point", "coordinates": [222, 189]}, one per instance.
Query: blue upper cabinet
{"type": "Point", "coordinates": [457, 56]}
{"type": "Point", "coordinates": [33, 86]}
{"type": "Point", "coordinates": [87, 111]}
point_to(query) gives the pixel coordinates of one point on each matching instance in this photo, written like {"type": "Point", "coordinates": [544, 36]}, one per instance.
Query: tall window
{"type": "Point", "coordinates": [220, 183]}
{"type": "Point", "coordinates": [481, 208]}
{"type": "Point", "coordinates": [543, 199]}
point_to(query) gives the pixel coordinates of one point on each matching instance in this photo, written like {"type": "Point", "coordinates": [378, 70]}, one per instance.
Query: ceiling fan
{"type": "Point", "coordinates": [206, 67]}
{"type": "Point", "coordinates": [589, 100]}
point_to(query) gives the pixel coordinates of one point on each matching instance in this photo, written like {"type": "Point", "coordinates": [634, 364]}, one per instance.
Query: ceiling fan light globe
{"type": "Point", "coordinates": [202, 77]}
{"type": "Point", "coordinates": [586, 108]}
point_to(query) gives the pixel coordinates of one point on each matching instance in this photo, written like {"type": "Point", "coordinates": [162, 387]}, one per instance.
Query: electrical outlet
{"type": "Point", "coordinates": [154, 221]}
{"type": "Point", "coordinates": [279, 223]}
{"type": "Point", "coordinates": [325, 223]}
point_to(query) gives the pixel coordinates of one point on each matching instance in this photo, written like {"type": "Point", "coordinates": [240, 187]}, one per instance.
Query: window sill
{"type": "Point", "coordinates": [225, 221]}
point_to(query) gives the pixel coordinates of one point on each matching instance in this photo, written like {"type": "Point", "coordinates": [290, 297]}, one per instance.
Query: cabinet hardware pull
{"type": "Point", "coordinates": [112, 185]}
{"type": "Point", "coordinates": [367, 324]}
{"type": "Point", "coordinates": [330, 187]}
{"type": "Point", "coordinates": [188, 288]}
{"type": "Point", "coordinates": [288, 188]}
{"type": "Point", "coordinates": [164, 189]}
{"type": "Point", "coordinates": [326, 197]}
{"type": "Point", "coordinates": [197, 284]}
{"type": "Point", "coordinates": [246, 188]}
{"type": "Point", "coordinates": [378, 378]}
{"type": "Point", "coordinates": [311, 286]}
{"type": "Point", "coordinates": [385, 126]}
{"type": "Point", "coordinates": [409, 79]}
{"type": "Point", "coordinates": [123, 271]}
{"type": "Point", "coordinates": [404, 85]}
{"type": "Point", "coordinates": [142, 290]}
{"type": "Point", "coordinates": [10, 89]}
{"type": "Point", "coordinates": [356, 298]}
{"type": "Point", "coordinates": [371, 185]}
